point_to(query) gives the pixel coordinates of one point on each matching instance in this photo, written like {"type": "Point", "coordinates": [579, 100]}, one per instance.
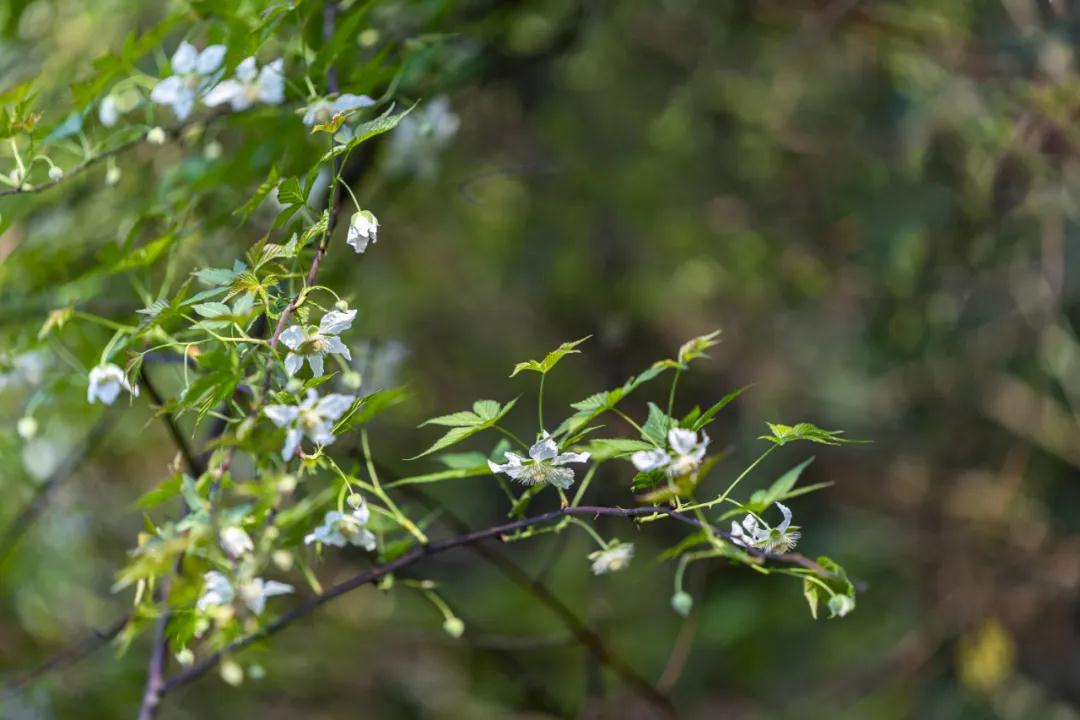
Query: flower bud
{"type": "Point", "coordinates": [185, 657]}
{"type": "Point", "coordinates": [283, 559]}
{"type": "Point", "coordinates": [27, 427]}
{"type": "Point", "coordinates": [840, 605]}
{"type": "Point", "coordinates": [454, 627]}
{"type": "Point", "coordinates": [294, 385]}
{"type": "Point", "coordinates": [352, 379]}
{"type": "Point", "coordinates": [232, 673]}
{"type": "Point", "coordinates": [55, 173]}
{"type": "Point", "coordinates": [682, 602]}
{"type": "Point", "coordinates": [355, 500]}
{"type": "Point", "coordinates": [156, 136]}
{"type": "Point", "coordinates": [286, 484]}
{"type": "Point", "coordinates": [213, 150]}
{"type": "Point", "coordinates": [112, 175]}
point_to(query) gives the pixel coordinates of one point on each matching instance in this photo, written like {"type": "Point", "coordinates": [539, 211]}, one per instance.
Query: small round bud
{"type": "Point", "coordinates": [55, 173]}
{"type": "Point", "coordinates": [840, 605]}
{"type": "Point", "coordinates": [352, 379]}
{"type": "Point", "coordinates": [368, 38]}
{"type": "Point", "coordinates": [355, 500]}
{"type": "Point", "coordinates": [256, 672]}
{"type": "Point", "coordinates": [341, 306]}
{"type": "Point", "coordinates": [213, 150]}
{"type": "Point", "coordinates": [112, 175]}
{"type": "Point", "coordinates": [27, 427]}
{"type": "Point", "coordinates": [294, 385]}
{"type": "Point", "coordinates": [232, 673]}
{"type": "Point", "coordinates": [454, 627]}
{"type": "Point", "coordinates": [682, 602]}
{"type": "Point", "coordinates": [283, 559]}
{"type": "Point", "coordinates": [272, 533]}
{"type": "Point", "coordinates": [286, 484]}
{"type": "Point", "coordinates": [156, 136]}
{"type": "Point", "coordinates": [185, 657]}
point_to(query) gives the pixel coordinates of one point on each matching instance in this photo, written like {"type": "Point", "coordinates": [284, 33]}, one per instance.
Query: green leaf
{"type": "Point", "coordinates": [762, 499]}
{"type": "Point", "coordinates": [657, 425]}
{"type": "Point", "coordinates": [212, 310]}
{"type": "Point", "coordinates": [246, 210]}
{"type": "Point", "coordinates": [783, 434]}
{"type": "Point", "coordinates": [551, 359]}
{"type": "Point", "coordinates": [485, 414]}
{"type": "Point", "coordinates": [595, 405]}
{"type": "Point", "coordinates": [695, 347]}
{"type": "Point", "coordinates": [708, 416]}
{"type": "Point", "coordinates": [452, 474]}
{"type": "Point", "coordinates": [463, 460]}
{"type": "Point", "coordinates": [290, 193]}
{"type": "Point", "coordinates": [365, 131]}
{"type": "Point", "coordinates": [608, 448]}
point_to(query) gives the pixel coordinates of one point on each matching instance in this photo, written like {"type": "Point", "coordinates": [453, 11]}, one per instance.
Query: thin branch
{"type": "Point", "coordinates": [68, 656]}
{"type": "Point", "coordinates": [419, 553]}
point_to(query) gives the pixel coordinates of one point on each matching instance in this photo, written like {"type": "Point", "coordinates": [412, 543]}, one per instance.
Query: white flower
{"type": "Point", "coordinates": [545, 466]}
{"type": "Point", "coordinates": [687, 457]}
{"type": "Point", "coordinates": [236, 542]}
{"type": "Point", "coordinates": [249, 86]}
{"type": "Point", "coordinates": [217, 591]}
{"type": "Point", "coordinates": [417, 140]}
{"type": "Point", "coordinates": [314, 417]}
{"type": "Point", "coordinates": [363, 229]}
{"type": "Point", "coordinates": [106, 380]}
{"type": "Point", "coordinates": [339, 529]}
{"type": "Point", "coordinates": [612, 559]}
{"type": "Point", "coordinates": [55, 173]}
{"type": "Point", "coordinates": [192, 71]}
{"type": "Point", "coordinates": [255, 592]}
{"type": "Point", "coordinates": [315, 344]}
{"type": "Point", "coordinates": [323, 110]}
{"type": "Point", "coordinates": [779, 539]}
{"type": "Point", "coordinates": [108, 112]}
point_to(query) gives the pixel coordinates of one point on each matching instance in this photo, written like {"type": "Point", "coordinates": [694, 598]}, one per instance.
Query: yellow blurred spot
{"type": "Point", "coordinates": [986, 657]}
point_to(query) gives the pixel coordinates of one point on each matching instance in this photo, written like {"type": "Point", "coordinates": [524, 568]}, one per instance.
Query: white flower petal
{"type": "Point", "coordinates": [544, 449]}
{"type": "Point", "coordinates": [166, 91]}
{"type": "Point", "coordinates": [280, 415]}
{"type": "Point", "coordinates": [224, 92]}
{"type": "Point", "coordinates": [348, 101]}
{"type": "Point", "coordinates": [292, 337]}
{"type": "Point", "coordinates": [293, 363]}
{"type": "Point", "coordinates": [246, 71]}
{"type": "Point", "coordinates": [336, 322]}
{"type": "Point", "coordinates": [682, 441]}
{"type": "Point", "coordinates": [334, 405]}
{"type": "Point", "coordinates": [571, 457]}
{"type": "Point", "coordinates": [292, 442]}
{"type": "Point", "coordinates": [786, 522]}
{"type": "Point", "coordinates": [315, 360]}
{"type": "Point", "coordinates": [210, 59]}
{"type": "Point", "coordinates": [648, 460]}
{"type": "Point", "coordinates": [184, 59]}
{"type": "Point", "coordinates": [335, 346]}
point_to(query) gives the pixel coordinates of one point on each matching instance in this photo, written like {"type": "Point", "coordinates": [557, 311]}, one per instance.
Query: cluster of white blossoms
{"type": "Point", "coordinates": [314, 344]}
{"type": "Point", "coordinates": [685, 457]}
{"type": "Point", "coordinates": [611, 559]}
{"type": "Point", "coordinates": [341, 529]}
{"type": "Point", "coordinates": [545, 464]}
{"type": "Point", "coordinates": [106, 381]}
{"type": "Point", "coordinates": [314, 418]}
{"type": "Point", "coordinates": [195, 74]}
{"type": "Point", "coordinates": [219, 592]}
{"type": "Point", "coordinates": [756, 534]}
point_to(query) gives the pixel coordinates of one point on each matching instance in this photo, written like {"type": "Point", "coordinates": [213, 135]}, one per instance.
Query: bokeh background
{"type": "Point", "coordinates": [875, 201]}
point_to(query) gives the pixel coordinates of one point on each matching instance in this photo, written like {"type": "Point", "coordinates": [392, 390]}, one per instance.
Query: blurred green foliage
{"type": "Point", "coordinates": [875, 200]}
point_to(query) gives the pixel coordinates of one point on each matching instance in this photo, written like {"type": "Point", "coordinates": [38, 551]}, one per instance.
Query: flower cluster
{"type": "Point", "coordinates": [685, 457]}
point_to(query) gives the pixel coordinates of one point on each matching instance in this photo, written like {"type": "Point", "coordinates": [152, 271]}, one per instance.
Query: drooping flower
{"type": "Point", "coordinates": [315, 344]}
{"type": "Point", "coordinates": [779, 539]}
{"type": "Point", "coordinates": [545, 464]}
{"type": "Point", "coordinates": [323, 110]}
{"type": "Point", "coordinates": [685, 456]}
{"type": "Point", "coordinates": [236, 542]}
{"type": "Point", "coordinates": [217, 591]}
{"type": "Point", "coordinates": [363, 229]}
{"type": "Point", "coordinates": [420, 136]}
{"type": "Point", "coordinates": [339, 529]}
{"type": "Point", "coordinates": [108, 112]}
{"type": "Point", "coordinates": [314, 417]}
{"type": "Point", "coordinates": [255, 592]}
{"type": "Point", "coordinates": [612, 559]}
{"type": "Point", "coordinates": [249, 86]}
{"type": "Point", "coordinates": [106, 381]}
{"type": "Point", "coordinates": [192, 75]}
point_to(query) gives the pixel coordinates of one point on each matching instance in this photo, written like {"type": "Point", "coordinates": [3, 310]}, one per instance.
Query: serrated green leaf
{"type": "Point", "coordinates": [657, 426]}
{"type": "Point", "coordinates": [551, 359]}
{"type": "Point", "coordinates": [783, 434]}
{"type": "Point", "coordinates": [607, 448]}
{"type": "Point", "coordinates": [488, 412]}
{"type": "Point", "coordinates": [708, 416]}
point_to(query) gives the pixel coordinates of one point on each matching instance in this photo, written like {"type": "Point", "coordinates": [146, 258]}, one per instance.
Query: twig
{"type": "Point", "coordinates": [419, 553]}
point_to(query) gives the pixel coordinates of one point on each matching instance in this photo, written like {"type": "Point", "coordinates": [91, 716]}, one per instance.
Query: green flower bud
{"type": "Point", "coordinates": [682, 603]}
{"type": "Point", "coordinates": [454, 627]}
